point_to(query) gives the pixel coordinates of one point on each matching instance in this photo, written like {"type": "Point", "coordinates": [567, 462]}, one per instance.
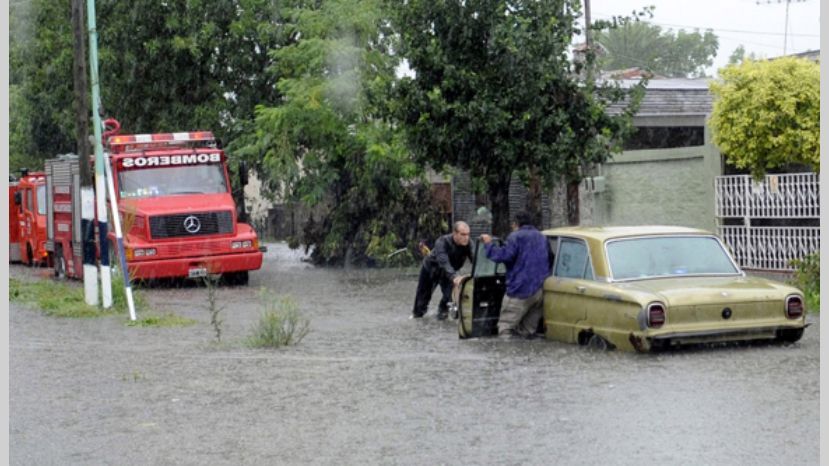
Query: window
{"type": "Point", "coordinates": [572, 260]}
{"type": "Point", "coordinates": [657, 137]}
{"type": "Point", "coordinates": [668, 256]}
{"type": "Point", "coordinates": [170, 181]}
{"type": "Point", "coordinates": [41, 200]}
{"type": "Point", "coordinates": [484, 266]}
{"type": "Point", "coordinates": [30, 204]}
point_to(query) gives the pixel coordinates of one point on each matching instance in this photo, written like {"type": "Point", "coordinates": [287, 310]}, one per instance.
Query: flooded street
{"type": "Point", "coordinates": [370, 386]}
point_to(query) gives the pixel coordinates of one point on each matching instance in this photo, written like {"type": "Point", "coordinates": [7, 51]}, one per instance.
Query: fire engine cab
{"type": "Point", "coordinates": [177, 214]}
{"type": "Point", "coordinates": [27, 219]}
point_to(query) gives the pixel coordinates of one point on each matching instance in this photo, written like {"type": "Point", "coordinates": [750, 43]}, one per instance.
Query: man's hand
{"type": "Point", "coordinates": [457, 280]}
{"type": "Point", "coordinates": [486, 238]}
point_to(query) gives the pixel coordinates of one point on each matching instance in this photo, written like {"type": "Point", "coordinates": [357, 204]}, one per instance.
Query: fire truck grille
{"type": "Point", "coordinates": [196, 224]}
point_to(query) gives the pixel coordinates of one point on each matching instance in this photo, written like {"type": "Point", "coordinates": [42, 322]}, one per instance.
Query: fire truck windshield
{"type": "Point", "coordinates": [172, 181]}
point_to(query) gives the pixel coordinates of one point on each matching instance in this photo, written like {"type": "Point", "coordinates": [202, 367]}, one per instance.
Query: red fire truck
{"type": "Point", "coordinates": [177, 214]}
{"type": "Point", "coordinates": [27, 219]}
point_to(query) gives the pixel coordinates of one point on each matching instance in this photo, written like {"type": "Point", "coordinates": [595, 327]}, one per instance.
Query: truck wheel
{"type": "Point", "coordinates": [29, 255]}
{"type": "Point", "coordinates": [60, 264]}
{"type": "Point", "coordinates": [237, 278]}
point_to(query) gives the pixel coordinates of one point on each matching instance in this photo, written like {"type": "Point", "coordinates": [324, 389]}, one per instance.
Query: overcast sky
{"type": "Point", "coordinates": [758, 25]}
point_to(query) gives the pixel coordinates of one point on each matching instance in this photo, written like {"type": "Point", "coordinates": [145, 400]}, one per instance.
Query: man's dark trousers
{"type": "Point", "coordinates": [430, 278]}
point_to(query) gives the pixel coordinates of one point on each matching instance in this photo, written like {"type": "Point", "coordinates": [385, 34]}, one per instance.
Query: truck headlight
{"type": "Point", "coordinates": [241, 244]}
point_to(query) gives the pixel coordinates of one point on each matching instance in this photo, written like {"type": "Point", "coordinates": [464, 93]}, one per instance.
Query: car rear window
{"type": "Point", "coordinates": [668, 256]}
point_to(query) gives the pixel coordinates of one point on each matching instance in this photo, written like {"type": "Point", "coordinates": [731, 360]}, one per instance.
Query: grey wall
{"type": "Point", "coordinates": [666, 187]}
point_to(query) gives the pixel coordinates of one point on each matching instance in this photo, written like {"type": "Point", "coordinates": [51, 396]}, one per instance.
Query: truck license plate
{"type": "Point", "coordinates": [197, 272]}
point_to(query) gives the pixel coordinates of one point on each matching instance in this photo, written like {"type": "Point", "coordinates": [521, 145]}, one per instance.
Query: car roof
{"type": "Point", "coordinates": [611, 232]}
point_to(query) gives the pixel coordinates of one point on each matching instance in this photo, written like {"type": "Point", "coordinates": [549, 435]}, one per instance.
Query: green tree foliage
{"type": "Point", "coordinates": [40, 83]}
{"type": "Point", "coordinates": [767, 114]}
{"type": "Point", "coordinates": [739, 54]}
{"type": "Point", "coordinates": [647, 46]}
{"type": "Point", "coordinates": [495, 93]}
{"type": "Point", "coordinates": [169, 66]}
{"type": "Point", "coordinates": [325, 145]}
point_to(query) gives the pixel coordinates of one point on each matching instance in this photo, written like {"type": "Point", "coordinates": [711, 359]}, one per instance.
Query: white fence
{"type": "Point", "coordinates": [780, 197]}
{"type": "Point", "coordinates": [770, 248]}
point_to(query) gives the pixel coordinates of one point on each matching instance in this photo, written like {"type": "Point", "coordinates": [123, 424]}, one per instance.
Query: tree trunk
{"type": "Point", "coordinates": [499, 195]}
{"type": "Point", "coordinates": [573, 202]}
{"type": "Point", "coordinates": [534, 199]}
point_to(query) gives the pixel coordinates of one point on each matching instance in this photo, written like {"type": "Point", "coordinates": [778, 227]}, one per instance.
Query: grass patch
{"type": "Point", "coordinates": [55, 299]}
{"type": "Point", "coordinates": [161, 321]}
{"type": "Point", "coordinates": [59, 299]}
{"type": "Point", "coordinates": [807, 278]}
{"type": "Point", "coordinates": [280, 324]}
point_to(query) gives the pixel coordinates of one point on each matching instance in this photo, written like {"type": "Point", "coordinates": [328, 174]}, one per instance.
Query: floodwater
{"type": "Point", "coordinates": [370, 386]}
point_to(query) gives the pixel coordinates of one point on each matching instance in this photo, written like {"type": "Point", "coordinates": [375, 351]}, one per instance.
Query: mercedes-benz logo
{"type": "Point", "coordinates": [192, 224]}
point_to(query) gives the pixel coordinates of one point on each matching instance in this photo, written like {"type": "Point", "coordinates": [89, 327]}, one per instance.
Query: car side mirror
{"type": "Point", "coordinates": [18, 198]}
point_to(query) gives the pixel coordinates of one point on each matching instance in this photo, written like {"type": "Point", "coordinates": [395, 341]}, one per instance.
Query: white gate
{"type": "Point", "coordinates": [788, 200]}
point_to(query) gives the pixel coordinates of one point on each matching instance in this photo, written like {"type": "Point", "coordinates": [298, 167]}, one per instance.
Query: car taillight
{"type": "Point", "coordinates": [656, 315]}
{"type": "Point", "coordinates": [794, 307]}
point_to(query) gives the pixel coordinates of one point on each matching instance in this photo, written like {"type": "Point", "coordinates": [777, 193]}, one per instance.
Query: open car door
{"type": "Point", "coordinates": [479, 296]}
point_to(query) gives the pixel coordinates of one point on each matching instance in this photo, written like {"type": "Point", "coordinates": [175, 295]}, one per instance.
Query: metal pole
{"type": "Point", "coordinates": [100, 184]}
{"type": "Point", "coordinates": [116, 220]}
{"type": "Point", "coordinates": [90, 277]}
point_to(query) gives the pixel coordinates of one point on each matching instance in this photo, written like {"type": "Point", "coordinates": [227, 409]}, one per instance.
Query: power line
{"type": "Point", "coordinates": [605, 15]}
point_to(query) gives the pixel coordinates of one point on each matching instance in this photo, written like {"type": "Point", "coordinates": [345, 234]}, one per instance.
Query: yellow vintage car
{"type": "Point", "coordinates": [639, 289]}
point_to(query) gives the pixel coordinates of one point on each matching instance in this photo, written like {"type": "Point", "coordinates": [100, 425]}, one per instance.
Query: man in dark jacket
{"type": "Point", "coordinates": [526, 255]}
{"type": "Point", "coordinates": [441, 267]}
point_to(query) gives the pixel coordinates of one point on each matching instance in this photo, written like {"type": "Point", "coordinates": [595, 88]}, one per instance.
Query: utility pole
{"type": "Point", "coordinates": [786, 23]}
{"type": "Point", "coordinates": [82, 142]}
{"type": "Point", "coordinates": [100, 181]}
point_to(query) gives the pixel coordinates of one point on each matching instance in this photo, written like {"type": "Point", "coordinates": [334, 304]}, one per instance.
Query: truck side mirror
{"type": "Point", "coordinates": [243, 173]}
{"type": "Point", "coordinates": [18, 198]}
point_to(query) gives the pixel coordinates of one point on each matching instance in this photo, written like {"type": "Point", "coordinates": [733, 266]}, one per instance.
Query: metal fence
{"type": "Point", "coordinates": [779, 199]}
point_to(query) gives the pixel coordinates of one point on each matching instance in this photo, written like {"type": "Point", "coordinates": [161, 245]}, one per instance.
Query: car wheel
{"type": "Point", "coordinates": [790, 335]}
{"type": "Point", "coordinates": [60, 264]}
{"type": "Point", "coordinates": [598, 343]}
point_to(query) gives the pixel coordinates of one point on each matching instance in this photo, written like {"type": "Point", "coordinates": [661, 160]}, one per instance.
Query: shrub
{"type": "Point", "coordinates": [807, 278]}
{"type": "Point", "coordinates": [280, 324]}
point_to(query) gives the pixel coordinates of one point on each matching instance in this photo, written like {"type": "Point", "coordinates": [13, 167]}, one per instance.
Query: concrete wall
{"type": "Point", "coordinates": [664, 186]}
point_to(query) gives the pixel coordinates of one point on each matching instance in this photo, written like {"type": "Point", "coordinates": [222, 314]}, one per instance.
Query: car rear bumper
{"type": "Point", "coordinates": [642, 341]}
{"type": "Point", "coordinates": [185, 267]}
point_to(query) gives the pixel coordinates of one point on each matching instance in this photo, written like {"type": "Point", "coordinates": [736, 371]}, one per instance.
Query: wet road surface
{"type": "Point", "coordinates": [370, 386]}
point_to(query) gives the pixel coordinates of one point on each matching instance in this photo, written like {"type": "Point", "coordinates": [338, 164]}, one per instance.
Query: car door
{"type": "Point", "coordinates": [568, 291]}
{"type": "Point", "coordinates": [480, 295]}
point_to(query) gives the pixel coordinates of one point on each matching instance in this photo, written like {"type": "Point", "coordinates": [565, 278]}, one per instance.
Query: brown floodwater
{"type": "Point", "coordinates": [370, 386]}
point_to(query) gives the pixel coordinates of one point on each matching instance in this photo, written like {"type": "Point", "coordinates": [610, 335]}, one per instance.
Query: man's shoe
{"type": "Point", "coordinates": [416, 316]}
{"type": "Point", "coordinates": [442, 314]}
{"type": "Point", "coordinates": [507, 335]}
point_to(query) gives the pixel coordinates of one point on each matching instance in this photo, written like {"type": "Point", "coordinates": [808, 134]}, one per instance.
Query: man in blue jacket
{"type": "Point", "coordinates": [526, 255]}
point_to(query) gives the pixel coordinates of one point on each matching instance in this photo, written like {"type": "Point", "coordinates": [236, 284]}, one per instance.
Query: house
{"type": "Point", "coordinates": [664, 176]}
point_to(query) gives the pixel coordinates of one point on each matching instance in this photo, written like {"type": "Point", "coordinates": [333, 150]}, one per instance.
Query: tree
{"type": "Point", "coordinates": [647, 46]}
{"type": "Point", "coordinates": [172, 66]}
{"type": "Point", "coordinates": [494, 93]}
{"type": "Point", "coordinates": [739, 54]}
{"type": "Point", "coordinates": [40, 83]}
{"type": "Point", "coordinates": [767, 114]}
{"type": "Point", "coordinates": [324, 144]}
